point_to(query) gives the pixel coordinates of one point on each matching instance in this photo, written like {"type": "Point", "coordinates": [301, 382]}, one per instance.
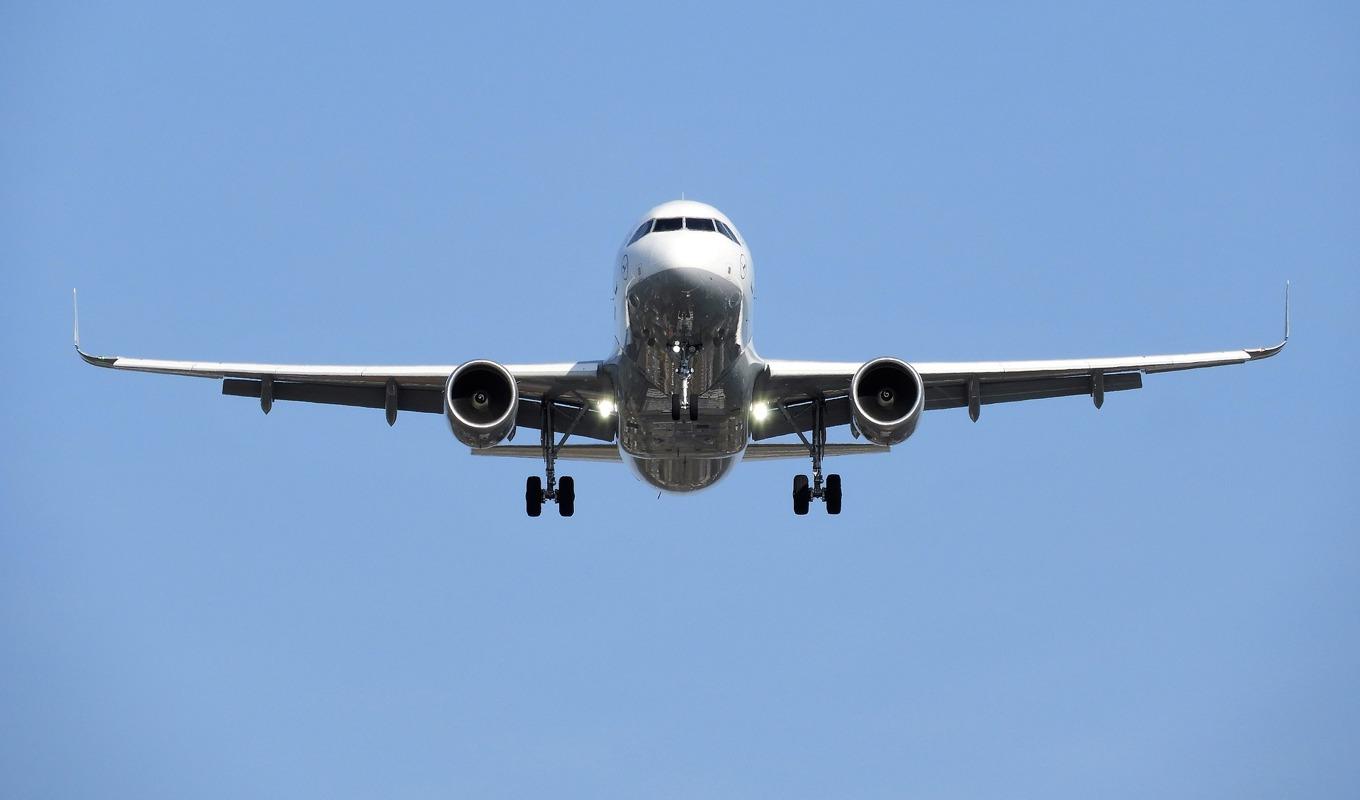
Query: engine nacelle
{"type": "Point", "coordinates": [481, 399]}
{"type": "Point", "coordinates": [886, 399]}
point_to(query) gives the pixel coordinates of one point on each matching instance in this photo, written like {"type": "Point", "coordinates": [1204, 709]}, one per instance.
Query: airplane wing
{"type": "Point", "coordinates": [973, 384]}
{"type": "Point", "coordinates": [568, 386]}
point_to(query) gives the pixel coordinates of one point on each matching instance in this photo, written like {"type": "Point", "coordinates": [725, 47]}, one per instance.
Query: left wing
{"type": "Point", "coordinates": [978, 383]}
{"type": "Point", "coordinates": [567, 386]}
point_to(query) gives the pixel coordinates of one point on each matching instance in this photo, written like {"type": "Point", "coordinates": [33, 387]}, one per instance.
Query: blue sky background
{"type": "Point", "coordinates": [1156, 599]}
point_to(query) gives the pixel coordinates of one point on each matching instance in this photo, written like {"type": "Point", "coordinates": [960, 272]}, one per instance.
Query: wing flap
{"type": "Point", "coordinates": [430, 401]}
{"type": "Point", "coordinates": [955, 395]}
{"type": "Point", "coordinates": [568, 452]}
{"type": "Point", "coordinates": [408, 399]}
{"type": "Point", "coordinates": [601, 452]}
{"type": "Point", "coordinates": [782, 450]}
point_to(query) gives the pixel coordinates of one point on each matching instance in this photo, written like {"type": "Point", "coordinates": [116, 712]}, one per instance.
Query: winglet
{"type": "Point", "coordinates": [1267, 352]}
{"type": "Point", "coordinates": [98, 361]}
{"type": "Point", "coordinates": [1286, 311]}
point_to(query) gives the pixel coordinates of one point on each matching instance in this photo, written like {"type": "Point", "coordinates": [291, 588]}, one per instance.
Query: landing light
{"type": "Point", "coordinates": [759, 412]}
{"type": "Point", "coordinates": [606, 407]}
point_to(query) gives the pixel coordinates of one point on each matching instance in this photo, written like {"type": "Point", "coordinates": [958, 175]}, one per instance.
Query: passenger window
{"type": "Point", "coordinates": [726, 231]}
{"type": "Point", "coordinates": [699, 224]}
{"type": "Point", "coordinates": [668, 224]}
{"type": "Point", "coordinates": [642, 231]}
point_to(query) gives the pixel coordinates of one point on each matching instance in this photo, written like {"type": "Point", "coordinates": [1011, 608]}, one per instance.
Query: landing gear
{"type": "Point", "coordinates": [533, 496]}
{"type": "Point", "coordinates": [803, 494]}
{"type": "Point", "coordinates": [562, 492]}
{"type": "Point", "coordinates": [566, 496]}
{"type": "Point", "coordinates": [684, 368]}
{"type": "Point", "coordinates": [832, 494]}
{"type": "Point", "coordinates": [828, 492]}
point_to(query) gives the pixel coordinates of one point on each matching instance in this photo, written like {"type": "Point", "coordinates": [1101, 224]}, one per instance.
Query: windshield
{"type": "Point", "coordinates": [665, 224]}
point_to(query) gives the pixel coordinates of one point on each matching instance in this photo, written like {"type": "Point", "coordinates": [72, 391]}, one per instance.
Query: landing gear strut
{"type": "Point", "coordinates": [562, 492]}
{"type": "Point", "coordinates": [683, 370]}
{"type": "Point", "coordinates": [829, 492]}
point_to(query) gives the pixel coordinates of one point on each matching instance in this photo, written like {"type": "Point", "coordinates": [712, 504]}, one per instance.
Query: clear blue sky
{"type": "Point", "coordinates": [1157, 599]}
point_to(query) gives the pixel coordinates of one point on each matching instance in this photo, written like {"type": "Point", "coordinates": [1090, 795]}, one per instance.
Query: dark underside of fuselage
{"type": "Point", "coordinates": [671, 314]}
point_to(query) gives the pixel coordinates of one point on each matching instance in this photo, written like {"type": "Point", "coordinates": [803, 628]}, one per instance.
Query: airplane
{"type": "Point", "coordinates": [684, 397]}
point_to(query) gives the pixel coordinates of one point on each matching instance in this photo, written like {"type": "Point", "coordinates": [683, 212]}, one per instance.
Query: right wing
{"type": "Point", "coordinates": [569, 387]}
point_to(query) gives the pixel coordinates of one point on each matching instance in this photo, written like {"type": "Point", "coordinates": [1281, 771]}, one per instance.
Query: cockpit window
{"type": "Point", "coordinates": [686, 223]}
{"type": "Point", "coordinates": [643, 229]}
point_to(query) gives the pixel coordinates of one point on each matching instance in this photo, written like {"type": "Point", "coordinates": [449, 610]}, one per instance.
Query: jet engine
{"type": "Point", "coordinates": [480, 400]}
{"type": "Point", "coordinates": [886, 399]}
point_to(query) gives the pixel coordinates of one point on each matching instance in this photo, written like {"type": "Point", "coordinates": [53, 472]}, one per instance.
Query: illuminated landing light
{"type": "Point", "coordinates": [759, 412]}
{"type": "Point", "coordinates": [606, 407]}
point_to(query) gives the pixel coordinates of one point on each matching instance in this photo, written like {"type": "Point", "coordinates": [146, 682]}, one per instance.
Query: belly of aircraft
{"type": "Point", "coordinates": [701, 311]}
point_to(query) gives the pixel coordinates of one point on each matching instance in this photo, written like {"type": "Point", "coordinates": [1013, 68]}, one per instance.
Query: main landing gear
{"type": "Point", "coordinates": [829, 492]}
{"type": "Point", "coordinates": [562, 492]}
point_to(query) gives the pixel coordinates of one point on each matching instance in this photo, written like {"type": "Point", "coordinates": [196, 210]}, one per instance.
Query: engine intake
{"type": "Point", "coordinates": [886, 399]}
{"type": "Point", "coordinates": [480, 401]}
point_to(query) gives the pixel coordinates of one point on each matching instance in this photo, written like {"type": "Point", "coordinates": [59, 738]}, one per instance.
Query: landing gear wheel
{"type": "Point", "coordinates": [694, 410]}
{"type": "Point", "coordinates": [802, 495]}
{"type": "Point", "coordinates": [675, 408]}
{"type": "Point", "coordinates": [832, 496]}
{"type": "Point", "coordinates": [533, 496]}
{"type": "Point", "coordinates": [566, 496]}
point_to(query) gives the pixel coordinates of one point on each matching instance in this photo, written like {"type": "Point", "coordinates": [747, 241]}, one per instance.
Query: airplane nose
{"type": "Point", "coordinates": [697, 257]}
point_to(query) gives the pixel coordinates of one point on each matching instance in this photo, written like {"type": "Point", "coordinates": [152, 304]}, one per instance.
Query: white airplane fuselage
{"type": "Point", "coordinates": [683, 302]}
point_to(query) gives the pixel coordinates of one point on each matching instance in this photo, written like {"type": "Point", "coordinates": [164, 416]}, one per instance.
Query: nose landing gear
{"type": "Point", "coordinates": [684, 369]}
{"type": "Point", "coordinates": [829, 492]}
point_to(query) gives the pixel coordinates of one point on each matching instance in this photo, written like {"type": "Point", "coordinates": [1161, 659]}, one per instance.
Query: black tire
{"type": "Point", "coordinates": [802, 495]}
{"type": "Point", "coordinates": [833, 494]}
{"type": "Point", "coordinates": [533, 496]}
{"type": "Point", "coordinates": [694, 409]}
{"type": "Point", "coordinates": [675, 408]}
{"type": "Point", "coordinates": [566, 496]}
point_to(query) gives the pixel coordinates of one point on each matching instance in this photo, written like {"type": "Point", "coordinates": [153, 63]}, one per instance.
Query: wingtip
{"type": "Point", "coordinates": [1267, 352]}
{"type": "Point", "coordinates": [98, 361]}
